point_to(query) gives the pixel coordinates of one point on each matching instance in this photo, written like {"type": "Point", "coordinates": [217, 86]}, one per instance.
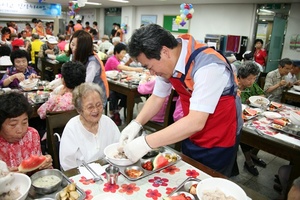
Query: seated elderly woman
{"type": "Point", "coordinates": [247, 75]}
{"type": "Point", "coordinates": [17, 140]}
{"type": "Point", "coordinates": [19, 71]}
{"type": "Point", "coordinates": [86, 135]}
{"type": "Point", "coordinates": [73, 74]}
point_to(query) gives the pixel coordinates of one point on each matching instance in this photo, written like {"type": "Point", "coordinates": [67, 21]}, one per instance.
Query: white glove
{"type": "Point", "coordinates": [137, 148]}
{"type": "Point", "coordinates": [129, 133]}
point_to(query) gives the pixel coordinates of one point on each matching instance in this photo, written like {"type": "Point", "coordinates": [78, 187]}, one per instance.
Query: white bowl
{"type": "Point", "coordinates": [110, 151]}
{"type": "Point", "coordinates": [28, 84]}
{"type": "Point", "coordinates": [23, 183]}
{"type": "Point", "coordinates": [254, 101]}
{"type": "Point", "coordinates": [244, 107]}
{"type": "Point", "coordinates": [295, 118]}
{"type": "Point", "coordinates": [296, 87]}
{"type": "Point", "coordinates": [112, 74]}
{"type": "Point", "coordinates": [229, 188]}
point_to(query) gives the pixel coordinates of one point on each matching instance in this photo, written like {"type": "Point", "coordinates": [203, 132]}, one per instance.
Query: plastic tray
{"type": "Point", "coordinates": [185, 186]}
{"type": "Point", "coordinates": [164, 150]}
{"type": "Point", "coordinates": [33, 195]}
{"type": "Point", "coordinates": [286, 130]}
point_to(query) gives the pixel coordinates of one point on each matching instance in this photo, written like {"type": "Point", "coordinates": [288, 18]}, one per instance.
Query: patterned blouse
{"type": "Point", "coordinates": [56, 103]}
{"type": "Point", "coordinates": [13, 153]}
{"type": "Point", "coordinates": [11, 71]}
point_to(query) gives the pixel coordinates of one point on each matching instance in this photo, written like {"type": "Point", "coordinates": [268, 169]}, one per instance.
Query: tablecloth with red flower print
{"type": "Point", "coordinates": [264, 125]}
{"type": "Point", "coordinates": [152, 187]}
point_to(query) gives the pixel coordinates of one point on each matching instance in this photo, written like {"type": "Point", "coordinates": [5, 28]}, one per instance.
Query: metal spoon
{"type": "Point", "coordinates": [96, 178]}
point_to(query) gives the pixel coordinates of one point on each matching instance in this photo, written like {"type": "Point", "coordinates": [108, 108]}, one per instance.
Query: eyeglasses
{"type": "Point", "coordinates": [90, 108]}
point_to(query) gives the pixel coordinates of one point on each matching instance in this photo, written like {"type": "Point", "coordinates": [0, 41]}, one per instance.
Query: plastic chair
{"type": "Point", "coordinates": [56, 122]}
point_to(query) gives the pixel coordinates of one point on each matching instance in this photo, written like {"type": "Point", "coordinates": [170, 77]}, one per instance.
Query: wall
{"type": "Point", "coordinates": [293, 27]}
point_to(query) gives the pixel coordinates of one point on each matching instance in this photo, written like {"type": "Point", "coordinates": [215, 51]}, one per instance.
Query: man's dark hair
{"type": "Point", "coordinates": [247, 69]}
{"type": "Point", "coordinates": [285, 61]}
{"type": "Point", "coordinates": [74, 73]}
{"type": "Point", "coordinates": [119, 47]}
{"type": "Point", "coordinates": [5, 50]}
{"type": "Point", "coordinates": [95, 23]}
{"type": "Point", "coordinates": [149, 40]}
{"type": "Point", "coordinates": [18, 54]}
{"type": "Point", "coordinates": [87, 23]}
{"type": "Point", "coordinates": [12, 105]}
{"type": "Point", "coordinates": [259, 40]}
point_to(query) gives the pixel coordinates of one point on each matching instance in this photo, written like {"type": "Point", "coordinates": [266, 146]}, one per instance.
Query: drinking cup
{"type": "Point", "coordinates": [112, 173]}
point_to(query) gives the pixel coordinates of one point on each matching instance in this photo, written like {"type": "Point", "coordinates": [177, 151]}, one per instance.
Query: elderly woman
{"type": "Point", "coordinates": [73, 74]}
{"type": "Point", "coordinates": [19, 71]}
{"type": "Point", "coordinates": [86, 135]}
{"type": "Point", "coordinates": [17, 140]}
{"type": "Point", "coordinates": [247, 75]}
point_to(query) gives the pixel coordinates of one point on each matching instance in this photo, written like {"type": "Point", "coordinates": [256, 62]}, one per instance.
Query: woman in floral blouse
{"type": "Point", "coordinates": [73, 74]}
{"type": "Point", "coordinates": [18, 141]}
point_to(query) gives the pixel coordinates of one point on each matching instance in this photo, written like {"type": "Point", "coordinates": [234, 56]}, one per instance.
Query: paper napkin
{"type": "Point", "coordinates": [95, 166]}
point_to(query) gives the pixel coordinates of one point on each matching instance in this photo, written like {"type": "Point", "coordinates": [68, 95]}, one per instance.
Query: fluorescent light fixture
{"type": "Point", "coordinates": [120, 1]}
{"type": "Point", "coordinates": [267, 11]}
{"type": "Point", "coordinates": [90, 3]}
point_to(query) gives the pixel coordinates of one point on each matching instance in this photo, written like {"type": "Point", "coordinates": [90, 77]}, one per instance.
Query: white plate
{"type": "Point", "coordinates": [108, 196]}
{"type": "Point", "coordinates": [244, 106]}
{"type": "Point", "coordinates": [296, 87]}
{"type": "Point", "coordinates": [272, 115]}
{"type": "Point", "coordinates": [112, 74]}
{"type": "Point", "coordinates": [229, 188]}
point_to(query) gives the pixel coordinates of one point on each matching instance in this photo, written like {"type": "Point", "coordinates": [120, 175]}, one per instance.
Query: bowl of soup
{"type": "Point", "coordinates": [46, 181]}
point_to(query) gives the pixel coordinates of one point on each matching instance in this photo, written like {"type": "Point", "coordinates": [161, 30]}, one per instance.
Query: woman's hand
{"type": "Point", "coordinates": [48, 163]}
{"type": "Point", "coordinates": [19, 76]}
{"type": "Point", "coordinates": [32, 76]}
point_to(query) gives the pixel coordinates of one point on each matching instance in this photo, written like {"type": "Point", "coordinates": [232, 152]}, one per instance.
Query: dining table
{"type": "Point", "coordinates": [155, 186]}
{"type": "Point", "coordinates": [262, 133]}
{"type": "Point", "coordinates": [291, 95]}
{"type": "Point", "coordinates": [129, 90]}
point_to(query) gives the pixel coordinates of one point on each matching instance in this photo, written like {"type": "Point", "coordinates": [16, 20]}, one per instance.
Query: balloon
{"type": "Point", "coordinates": [70, 3]}
{"type": "Point", "coordinates": [185, 11]}
{"type": "Point", "coordinates": [81, 3]}
{"type": "Point", "coordinates": [182, 6]}
{"type": "Point", "coordinates": [186, 6]}
{"type": "Point", "coordinates": [181, 11]}
{"type": "Point", "coordinates": [40, 1]}
{"type": "Point", "coordinates": [182, 23]}
{"type": "Point", "coordinates": [178, 20]}
{"type": "Point", "coordinates": [182, 16]}
{"type": "Point", "coordinates": [191, 6]}
{"type": "Point", "coordinates": [189, 16]}
{"type": "Point", "coordinates": [192, 11]}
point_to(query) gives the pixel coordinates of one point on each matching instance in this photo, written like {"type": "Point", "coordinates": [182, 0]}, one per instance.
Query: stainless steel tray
{"type": "Point", "coordinates": [164, 150]}
{"type": "Point", "coordinates": [286, 130]}
{"type": "Point", "coordinates": [185, 186]}
{"type": "Point", "coordinates": [32, 195]}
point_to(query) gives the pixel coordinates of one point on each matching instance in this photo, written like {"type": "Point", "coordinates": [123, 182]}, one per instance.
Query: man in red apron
{"type": "Point", "coordinates": [205, 83]}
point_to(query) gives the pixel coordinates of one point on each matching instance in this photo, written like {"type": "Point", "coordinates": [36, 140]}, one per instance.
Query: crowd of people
{"type": "Point", "coordinates": [211, 91]}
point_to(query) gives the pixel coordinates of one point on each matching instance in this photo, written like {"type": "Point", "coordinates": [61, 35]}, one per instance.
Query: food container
{"type": "Point", "coordinates": [258, 101]}
{"type": "Point", "coordinates": [43, 173]}
{"type": "Point", "coordinates": [28, 84]}
{"type": "Point", "coordinates": [111, 151]}
{"type": "Point", "coordinates": [139, 165]}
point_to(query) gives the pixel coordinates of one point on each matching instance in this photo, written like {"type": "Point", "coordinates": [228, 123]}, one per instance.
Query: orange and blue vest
{"type": "Point", "coordinates": [214, 144]}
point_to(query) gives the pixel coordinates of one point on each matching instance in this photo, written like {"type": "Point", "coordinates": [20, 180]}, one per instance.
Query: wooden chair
{"type": "Point", "coordinates": [261, 79]}
{"type": "Point", "coordinates": [56, 122]}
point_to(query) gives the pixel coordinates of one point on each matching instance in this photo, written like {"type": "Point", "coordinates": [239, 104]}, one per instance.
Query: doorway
{"type": "Point", "coordinates": [112, 15]}
{"type": "Point", "coordinates": [271, 27]}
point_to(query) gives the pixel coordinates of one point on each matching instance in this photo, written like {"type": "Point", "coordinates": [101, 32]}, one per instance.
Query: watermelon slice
{"type": "Point", "coordinates": [276, 105]}
{"type": "Point", "coordinates": [250, 111]}
{"type": "Point", "coordinates": [160, 161]}
{"type": "Point", "coordinates": [280, 122]}
{"type": "Point", "coordinates": [32, 163]}
{"type": "Point", "coordinates": [178, 197]}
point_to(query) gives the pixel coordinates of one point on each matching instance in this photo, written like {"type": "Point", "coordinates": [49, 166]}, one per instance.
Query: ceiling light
{"type": "Point", "coordinates": [120, 1]}
{"type": "Point", "coordinates": [267, 11]}
{"type": "Point", "coordinates": [90, 3]}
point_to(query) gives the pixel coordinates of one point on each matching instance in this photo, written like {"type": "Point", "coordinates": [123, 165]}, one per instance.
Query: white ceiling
{"type": "Point", "coordinates": [107, 3]}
